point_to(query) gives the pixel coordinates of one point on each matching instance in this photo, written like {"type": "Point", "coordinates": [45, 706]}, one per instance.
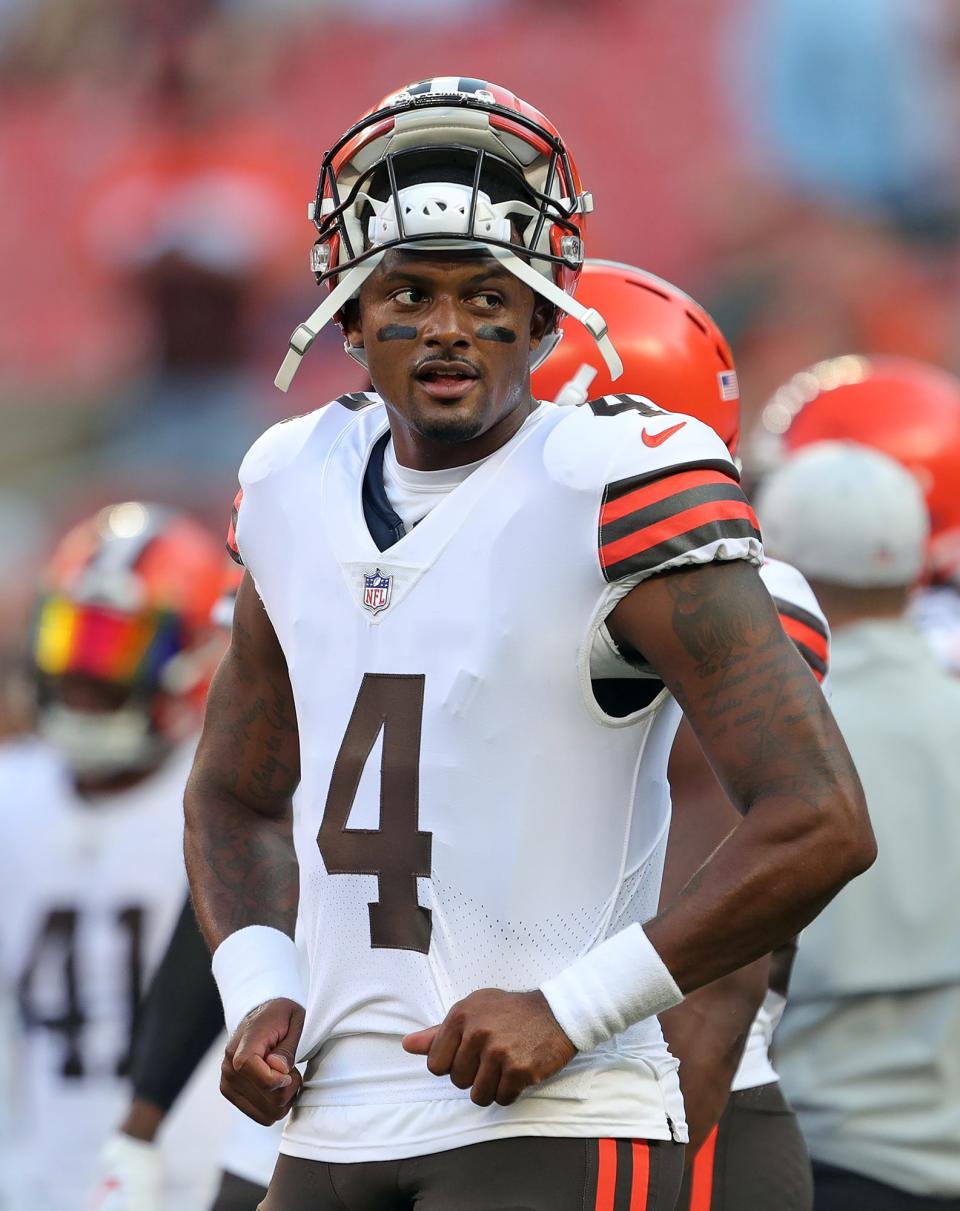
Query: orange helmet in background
{"type": "Point", "coordinates": [907, 409]}
{"type": "Point", "coordinates": [672, 350]}
{"type": "Point", "coordinates": [125, 607]}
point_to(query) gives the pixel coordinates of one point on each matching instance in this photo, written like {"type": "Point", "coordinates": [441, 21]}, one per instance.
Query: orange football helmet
{"type": "Point", "coordinates": [449, 163]}
{"type": "Point", "coordinates": [907, 409]}
{"type": "Point", "coordinates": [126, 606]}
{"type": "Point", "coordinates": [672, 350]}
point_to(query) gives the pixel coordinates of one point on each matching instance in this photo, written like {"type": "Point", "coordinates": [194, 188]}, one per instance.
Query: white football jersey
{"type": "Point", "coordinates": [89, 892]}
{"type": "Point", "coordinates": [936, 611]}
{"type": "Point", "coordinates": [468, 816]}
{"type": "Point", "coordinates": [804, 622]}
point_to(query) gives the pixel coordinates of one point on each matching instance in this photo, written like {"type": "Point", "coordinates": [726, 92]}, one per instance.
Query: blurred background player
{"type": "Point", "coordinates": [180, 1020]}
{"type": "Point", "coordinates": [908, 410]}
{"type": "Point", "coordinates": [746, 1150]}
{"type": "Point", "coordinates": [869, 1047]}
{"type": "Point", "coordinates": [92, 880]}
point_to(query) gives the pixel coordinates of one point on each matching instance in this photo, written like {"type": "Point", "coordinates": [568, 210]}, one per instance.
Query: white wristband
{"type": "Point", "coordinates": [618, 983]}
{"type": "Point", "coordinates": [254, 965]}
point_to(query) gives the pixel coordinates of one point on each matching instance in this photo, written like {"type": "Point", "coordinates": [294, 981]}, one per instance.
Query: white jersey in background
{"type": "Point", "coordinates": [90, 890]}
{"type": "Point", "coordinates": [936, 613]}
{"type": "Point", "coordinates": [468, 816]}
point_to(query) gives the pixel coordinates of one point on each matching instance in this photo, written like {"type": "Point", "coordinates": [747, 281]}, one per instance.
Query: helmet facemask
{"type": "Point", "coordinates": [450, 197]}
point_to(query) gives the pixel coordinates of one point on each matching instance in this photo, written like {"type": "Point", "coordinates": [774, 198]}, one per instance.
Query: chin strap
{"type": "Point", "coordinates": [306, 333]}
{"type": "Point", "coordinates": [591, 319]}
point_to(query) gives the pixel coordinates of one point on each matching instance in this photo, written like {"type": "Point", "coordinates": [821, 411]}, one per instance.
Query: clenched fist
{"type": "Point", "coordinates": [257, 1073]}
{"type": "Point", "coordinates": [496, 1044]}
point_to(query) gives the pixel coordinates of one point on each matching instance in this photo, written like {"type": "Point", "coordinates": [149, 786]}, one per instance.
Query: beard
{"type": "Point", "coordinates": [451, 429]}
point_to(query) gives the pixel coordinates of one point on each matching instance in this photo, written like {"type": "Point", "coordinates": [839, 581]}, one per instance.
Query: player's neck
{"type": "Point", "coordinates": [422, 453]}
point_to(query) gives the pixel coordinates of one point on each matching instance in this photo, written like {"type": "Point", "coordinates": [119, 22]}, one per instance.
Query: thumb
{"type": "Point", "coordinates": [282, 1055]}
{"type": "Point", "coordinates": [420, 1042]}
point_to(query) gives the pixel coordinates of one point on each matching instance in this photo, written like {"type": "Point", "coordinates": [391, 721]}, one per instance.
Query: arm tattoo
{"type": "Point", "coordinates": [754, 690]}
{"type": "Point", "coordinates": [239, 839]}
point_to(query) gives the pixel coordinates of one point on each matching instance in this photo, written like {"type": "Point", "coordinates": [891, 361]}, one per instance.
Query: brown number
{"type": "Point", "coordinates": [396, 852]}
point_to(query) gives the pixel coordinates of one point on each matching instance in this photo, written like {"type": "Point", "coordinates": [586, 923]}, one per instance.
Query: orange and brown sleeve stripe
{"type": "Point", "coordinates": [809, 635]}
{"type": "Point", "coordinates": [648, 520]}
{"type": "Point", "coordinates": [232, 549]}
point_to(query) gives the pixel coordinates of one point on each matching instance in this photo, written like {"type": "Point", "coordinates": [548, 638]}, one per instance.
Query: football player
{"type": "Point", "coordinates": [90, 836]}
{"type": "Point", "coordinates": [908, 410]}
{"type": "Point", "coordinates": [180, 1019]}
{"type": "Point", "coordinates": [745, 1147]}
{"type": "Point", "coordinates": [434, 573]}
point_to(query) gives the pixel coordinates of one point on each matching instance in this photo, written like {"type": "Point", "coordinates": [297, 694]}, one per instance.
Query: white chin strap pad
{"type": "Point", "coordinates": [576, 390]}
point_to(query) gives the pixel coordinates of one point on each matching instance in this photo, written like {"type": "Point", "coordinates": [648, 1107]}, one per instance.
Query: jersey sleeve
{"type": "Point", "coordinates": [800, 614]}
{"type": "Point", "coordinates": [672, 496]}
{"type": "Point", "coordinates": [232, 549]}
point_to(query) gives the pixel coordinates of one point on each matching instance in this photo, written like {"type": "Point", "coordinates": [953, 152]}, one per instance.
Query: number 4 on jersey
{"type": "Point", "coordinates": [397, 852]}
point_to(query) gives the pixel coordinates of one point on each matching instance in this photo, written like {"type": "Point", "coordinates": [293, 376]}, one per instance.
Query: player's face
{"type": "Point", "coordinates": [448, 342]}
{"type": "Point", "coordinates": [89, 695]}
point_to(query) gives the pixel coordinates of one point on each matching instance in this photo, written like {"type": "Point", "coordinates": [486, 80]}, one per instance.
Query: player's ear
{"type": "Point", "coordinates": [541, 322]}
{"type": "Point", "coordinates": [350, 322]}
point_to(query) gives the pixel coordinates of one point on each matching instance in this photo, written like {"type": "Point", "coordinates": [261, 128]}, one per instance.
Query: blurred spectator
{"type": "Point", "coordinates": [869, 1047]}
{"type": "Point", "coordinates": [853, 103]}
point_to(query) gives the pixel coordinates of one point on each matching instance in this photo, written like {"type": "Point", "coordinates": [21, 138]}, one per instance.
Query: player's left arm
{"type": "Point", "coordinates": [714, 636]}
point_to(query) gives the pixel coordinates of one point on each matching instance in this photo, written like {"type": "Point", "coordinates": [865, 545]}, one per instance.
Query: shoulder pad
{"type": "Point", "coordinates": [627, 437]}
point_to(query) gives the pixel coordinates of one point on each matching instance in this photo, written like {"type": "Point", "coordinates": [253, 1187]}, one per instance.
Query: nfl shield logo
{"type": "Point", "coordinates": [376, 591]}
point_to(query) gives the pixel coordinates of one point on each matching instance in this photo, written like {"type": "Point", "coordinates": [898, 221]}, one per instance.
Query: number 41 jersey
{"type": "Point", "coordinates": [89, 893]}
{"type": "Point", "coordinates": [468, 816]}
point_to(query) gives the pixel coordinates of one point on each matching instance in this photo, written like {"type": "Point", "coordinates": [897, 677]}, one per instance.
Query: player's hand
{"type": "Point", "coordinates": [496, 1044]}
{"type": "Point", "coordinates": [258, 1073]}
{"type": "Point", "coordinates": [131, 1176]}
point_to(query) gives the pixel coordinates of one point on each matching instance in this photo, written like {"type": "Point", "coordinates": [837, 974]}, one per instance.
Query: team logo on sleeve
{"type": "Point", "coordinates": [376, 591]}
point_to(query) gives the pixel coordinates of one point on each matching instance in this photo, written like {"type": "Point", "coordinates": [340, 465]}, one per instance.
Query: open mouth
{"type": "Point", "coordinates": [446, 380]}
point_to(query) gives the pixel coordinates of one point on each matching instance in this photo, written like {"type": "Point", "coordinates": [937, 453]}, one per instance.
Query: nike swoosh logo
{"type": "Point", "coordinates": [657, 439]}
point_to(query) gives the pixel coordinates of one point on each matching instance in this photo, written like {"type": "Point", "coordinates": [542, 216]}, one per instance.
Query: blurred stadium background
{"type": "Point", "coordinates": [791, 163]}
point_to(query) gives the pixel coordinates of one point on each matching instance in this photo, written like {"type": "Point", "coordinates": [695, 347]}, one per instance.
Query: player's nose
{"type": "Point", "coordinates": [446, 326]}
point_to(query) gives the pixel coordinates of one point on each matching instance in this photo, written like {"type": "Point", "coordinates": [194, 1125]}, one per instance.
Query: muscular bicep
{"type": "Point", "coordinates": [250, 746]}
{"type": "Point", "coordinates": [713, 635]}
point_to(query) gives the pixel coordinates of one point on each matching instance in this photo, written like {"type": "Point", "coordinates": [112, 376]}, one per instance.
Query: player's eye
{"type": "Point", "coordinates": [409, 297]}
{"type": "Point", "coordinates": [487, 300]}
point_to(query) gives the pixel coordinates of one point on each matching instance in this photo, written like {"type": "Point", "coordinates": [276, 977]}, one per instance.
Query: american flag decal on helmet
{"type": "Point", "coordinates": [729, 386]}
{"type": "Point", "coordinates": [649, 520]}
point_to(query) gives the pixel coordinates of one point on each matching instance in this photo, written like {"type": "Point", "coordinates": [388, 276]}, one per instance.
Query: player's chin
{"type": "Point", "coordinates": [451, 421]}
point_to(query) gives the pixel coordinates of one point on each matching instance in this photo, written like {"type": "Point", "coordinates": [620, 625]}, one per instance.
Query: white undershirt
{"type": "Point", "coordinates": [412, 494]}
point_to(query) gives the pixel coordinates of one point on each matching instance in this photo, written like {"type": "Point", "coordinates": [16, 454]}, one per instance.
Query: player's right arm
{"type": "Point", "coordinates": [241, 862]}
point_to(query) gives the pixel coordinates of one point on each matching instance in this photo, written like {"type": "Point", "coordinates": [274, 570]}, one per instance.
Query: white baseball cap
{"type": "Point", "coordinates": [845, 514]}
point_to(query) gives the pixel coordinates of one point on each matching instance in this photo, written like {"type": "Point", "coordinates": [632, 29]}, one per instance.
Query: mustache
{"type": "Point", "coordinates": [430, 358]}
